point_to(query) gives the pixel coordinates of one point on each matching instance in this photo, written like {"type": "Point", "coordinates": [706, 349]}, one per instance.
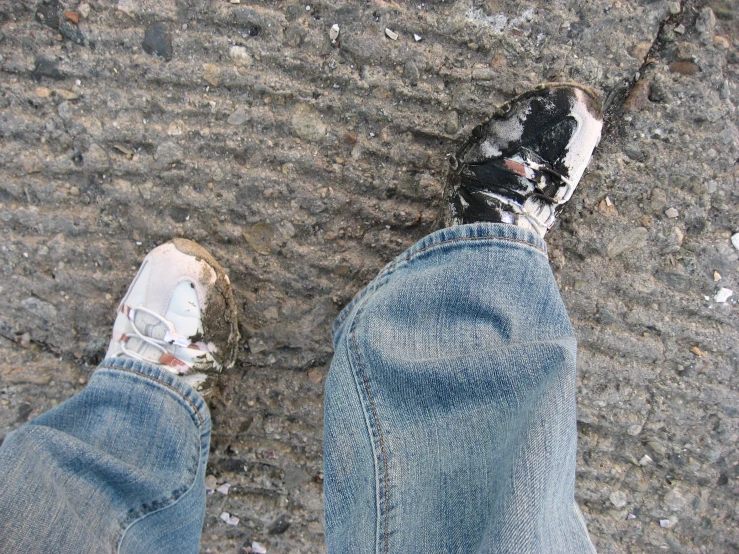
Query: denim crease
{"type": "Point", "coordinates": [119, 467]}
{"type": "Point", "coordinates": [450, 404]}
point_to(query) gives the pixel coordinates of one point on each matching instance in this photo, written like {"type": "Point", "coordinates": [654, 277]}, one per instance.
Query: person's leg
{"type": "Point", "coordinates": [120, 466]}
{"type": "Point", "coordinates": [450, 403]}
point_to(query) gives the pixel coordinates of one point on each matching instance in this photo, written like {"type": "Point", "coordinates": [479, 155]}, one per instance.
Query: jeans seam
{"type": "Point", "coordinates": [380, 437]}
{"type": "Point", "coordinates": [394, 265]}
{"type": "Point", "coordinates": [156, 507]}
{"type": "Point", "coordinates": [166, 385]}
{"type": "Point", "coordinates": [165, 504]}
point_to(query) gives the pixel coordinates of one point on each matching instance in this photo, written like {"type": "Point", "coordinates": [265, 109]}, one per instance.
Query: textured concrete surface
{"type": "Point", "coordinates": [304, 166]}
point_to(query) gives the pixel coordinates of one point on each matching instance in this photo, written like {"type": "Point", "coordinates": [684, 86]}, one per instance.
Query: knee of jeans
{"type": "Point", "coordinates": [413, 322]}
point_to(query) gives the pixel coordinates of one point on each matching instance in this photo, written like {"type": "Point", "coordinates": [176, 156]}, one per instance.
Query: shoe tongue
{"type": "Point", "coordinates": [186, 326]}
{"type": "Point", "coordinates": [183, 310]}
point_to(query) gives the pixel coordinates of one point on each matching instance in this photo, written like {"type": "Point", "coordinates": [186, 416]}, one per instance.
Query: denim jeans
{"type": "Point", "coordinates": [449, 424]}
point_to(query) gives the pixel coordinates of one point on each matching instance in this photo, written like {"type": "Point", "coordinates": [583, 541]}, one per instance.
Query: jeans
{"type": "Point", "coordinates": [449, 424]}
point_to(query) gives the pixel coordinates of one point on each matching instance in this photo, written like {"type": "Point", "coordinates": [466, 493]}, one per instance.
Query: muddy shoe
{"type": "Point", "coordinates": [179, 313]}
{"type": "Point", "coordinates": [524, 163]}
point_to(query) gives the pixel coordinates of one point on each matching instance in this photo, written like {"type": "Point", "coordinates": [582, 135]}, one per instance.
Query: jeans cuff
{"type": "Point", "coordinates": [163, 377]}
{"type": "Point", "coordinates": [448, 235]}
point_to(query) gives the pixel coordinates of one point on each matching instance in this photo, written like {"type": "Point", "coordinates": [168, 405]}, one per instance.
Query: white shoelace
{"type": "Point", "coordinates": [171, 337]}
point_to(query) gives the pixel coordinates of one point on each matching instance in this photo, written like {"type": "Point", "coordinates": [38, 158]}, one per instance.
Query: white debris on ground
{"type": "Point", "coordinates": [333, 32]}
{"type": "Point", "coordinates": [229, 519]}
{"type": "Point", "coordinates": [672, 213]}
{"type": "Point", "coordinates": [223, 489]}
{"type": "Point", "coordinates": [735, 240]}
{"type": "Point", "coordinates": [258, 548]}
{"type": "Point", "coordinates": [723, 295]}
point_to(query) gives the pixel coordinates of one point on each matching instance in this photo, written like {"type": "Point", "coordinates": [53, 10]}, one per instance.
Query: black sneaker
{"type": "Point", "coordinates": [524, 163]}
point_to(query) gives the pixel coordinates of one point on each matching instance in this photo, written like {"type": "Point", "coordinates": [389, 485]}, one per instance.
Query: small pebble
{"type": "Point", "coordinates": [212, 74]}
{"type": "Point", "coordinates": [716, 276]}
{"type": "Point", "coordinates": [223, 489]}
{"type": "Point", "coordinates": [158, 41]}
{"type": "Point", "coordinates": [674, 8]}
{"type": "Point", "coordinates": [210, 482]}
{"type": "Point", "coordinates": [451, 125]}
{"type": "Point", "coordinates": [229, 519]}
{"type": "Point", "coordinates": [412, 73]}
{"type": "Point", "coordinates": [66, 94]}
{"type": "Point", "coordinates": [64, 111]}
{"type": "Point", "coordinates": [24, 340]}
{"type": "Point", "coordinates": [618, 499]}
{"type": "Point", "coordinates": [333, 32]}
{"type": "Point", "coordinates": [735, 240]}
{"type": "Point", "coordinates": [258, 548]}
{"type": "Point", "coordinates": [240, 56]}
{"type": "Point", "coordinates": [684, 67]}
{"type": "Point", "coordinates": [723, 295]}
{"type": "Point", "coordinates": [638, 98]}
{"type": "Point", "coordinates": [706, 24]}
{"type": "Point", "coordinates": [664, 523]}
{"type": "Point", "coordinates": [392, 35]}
{"type": "Point", "coordinates": [238, 117]}
{"type": "Point", "coordinates": [680, 29]}
{"type": "Point", "coordinates": [671, 213]}
{"type": "Point", "coordinates": [645, 460]}
{"type": "Point", "coordinates": [279, 526]}
{"type": "Point", "coordinates": [721, 42]}
{"type": "Point", "coordinates": [169, 153]}
{"type": "Point", "coordinates": [74, 17]}
{"type": "Point", "coordinates": [417, 37]}
{"type": "Point", "coordinates": [84, 10]}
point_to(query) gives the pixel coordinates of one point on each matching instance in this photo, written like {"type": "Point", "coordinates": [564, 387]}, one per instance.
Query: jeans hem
{"type": "Point", "coordinates": [193, 401]}
{"type": "Point", "coordinates": [447, 236]}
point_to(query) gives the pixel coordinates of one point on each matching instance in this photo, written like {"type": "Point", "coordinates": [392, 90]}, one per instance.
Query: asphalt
{"type": "Point", "coordinates": [305, 165]}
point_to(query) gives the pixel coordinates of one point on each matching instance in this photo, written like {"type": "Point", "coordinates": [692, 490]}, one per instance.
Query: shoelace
{"type": "Point", "coordinates": [539, 208]}
{"type": "Point", "coordinates": [171, 337]}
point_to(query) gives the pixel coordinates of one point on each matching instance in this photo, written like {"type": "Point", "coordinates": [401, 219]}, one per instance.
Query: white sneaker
{"type": "Point", "coordinates": [179, 313]}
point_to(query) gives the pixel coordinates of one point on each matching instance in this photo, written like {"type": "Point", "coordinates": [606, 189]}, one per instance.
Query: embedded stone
{"type": "Point", "coordinates": [158, 41]}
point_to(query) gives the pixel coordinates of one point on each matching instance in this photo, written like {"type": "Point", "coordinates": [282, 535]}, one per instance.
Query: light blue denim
{"type": "Point", "coordinates": [450, 404]}
{"type": "Point", "coordinates": [449, 424]}
{"type": "Point", "coordinates": [119, 467]}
